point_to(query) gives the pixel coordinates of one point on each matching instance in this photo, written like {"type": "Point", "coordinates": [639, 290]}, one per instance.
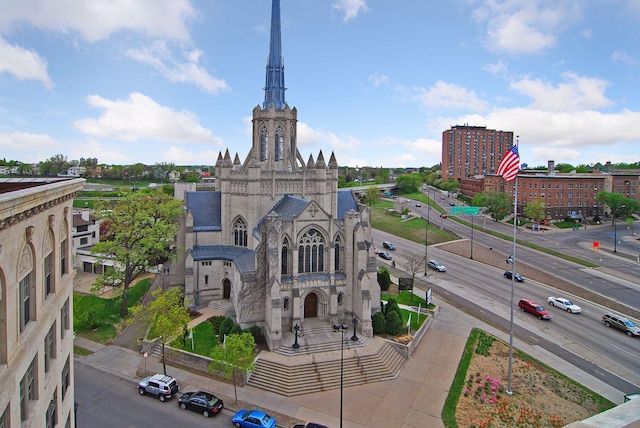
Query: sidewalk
{"type": "Point", "coordinates": [415, 399]}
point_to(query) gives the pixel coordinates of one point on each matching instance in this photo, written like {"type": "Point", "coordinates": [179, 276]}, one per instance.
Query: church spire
{"type": "Point", "coordinates": [274, 87]}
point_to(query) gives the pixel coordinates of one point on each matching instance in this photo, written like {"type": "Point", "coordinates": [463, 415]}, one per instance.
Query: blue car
{"type": "Point", "coordinates": [253, 419]}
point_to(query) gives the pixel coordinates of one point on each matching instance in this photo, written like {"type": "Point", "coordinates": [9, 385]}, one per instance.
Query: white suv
{"type": "Point", "coordinates": [160, 385]}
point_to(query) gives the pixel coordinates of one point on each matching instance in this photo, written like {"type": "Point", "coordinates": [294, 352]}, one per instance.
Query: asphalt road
{"type": "Point", "coordinates": [108, 401]}
{"type": "Point", "coordinates": [581, 339]}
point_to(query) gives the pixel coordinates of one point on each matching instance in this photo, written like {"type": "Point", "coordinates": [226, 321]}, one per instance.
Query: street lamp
{"type": "Point", "coordinates": [296, 329]}
{"type": "Point", "coordinates": [354, 338]}
{"type": "Point", "coordinates": [426, 244]}
{"type": "Point", "coordinates": [342, 329]}
{"type": "Point", "coordinates": [615, 229]}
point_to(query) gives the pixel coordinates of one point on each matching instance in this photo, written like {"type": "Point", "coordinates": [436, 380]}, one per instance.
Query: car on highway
{"type": "Point", "coordinates": [388, 245]}
{"type": "Point", "coordinates": [253, 419]}
{"type": "Point", "coordinates": [565, 304]}
{"type": "Point", "coordinates": [160, 385]}
{"type": "Point", "coordinates": [201, 402]}
{"type": "Point", "coordinates": [519, 278]}
{"type": "Point", "coordinates": [527, 305]}
{"type": "Point", "coordinates": [621, 323]}
{"type": "Point", "coordinates": [385, 255]}
{"type": "Point", "coordinates": [418, 205]}
{"type": "Point", "coordinates": [436, 265]}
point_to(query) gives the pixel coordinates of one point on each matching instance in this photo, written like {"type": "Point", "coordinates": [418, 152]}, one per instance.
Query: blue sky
{"type": "Point", "coordinates": [375, 81]}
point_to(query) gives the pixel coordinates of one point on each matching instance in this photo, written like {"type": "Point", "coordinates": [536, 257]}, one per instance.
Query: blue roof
{"type": "Point", "coordinates": [290, 207]}
{"type": "Point", "coordinates": [205, 207]}
{"type": "Point", "coordinates": [346, 202]}
{"type": "Point", "coordinates": [244, 258]}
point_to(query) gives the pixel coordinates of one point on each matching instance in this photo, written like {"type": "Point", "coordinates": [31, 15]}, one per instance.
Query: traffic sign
{"type": "Point", "coordinates": [464, 210]}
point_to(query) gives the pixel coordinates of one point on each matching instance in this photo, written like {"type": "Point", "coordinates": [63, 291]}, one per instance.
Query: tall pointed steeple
{"type": "Point", "coordinates": [274, 87]}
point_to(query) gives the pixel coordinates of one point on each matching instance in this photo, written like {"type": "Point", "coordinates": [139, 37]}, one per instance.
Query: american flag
{"type": "Point", "coordinates": [510, 164]}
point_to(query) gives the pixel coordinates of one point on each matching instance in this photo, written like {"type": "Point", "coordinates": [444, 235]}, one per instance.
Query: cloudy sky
{"type": "Point", "coordinates": [375, 81]}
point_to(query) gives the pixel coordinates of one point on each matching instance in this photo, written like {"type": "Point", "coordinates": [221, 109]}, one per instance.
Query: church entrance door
{"type": "Point", "coordinates": [226, 289]}
{"type": "Point", "coordinates": [311, 305]}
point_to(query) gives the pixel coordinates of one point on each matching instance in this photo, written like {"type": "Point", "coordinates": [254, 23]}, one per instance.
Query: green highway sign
{"type": "Point", "coordinates": [464, 210]}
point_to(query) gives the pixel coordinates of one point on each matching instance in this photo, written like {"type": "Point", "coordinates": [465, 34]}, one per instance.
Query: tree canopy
{"type": "Point", "coordinates": [498, 204]}
{"type": "Point", "coordinates": [235, 353]}
{"type": "Point", "coordinates": [142, 229]}
{"type": "Point", "coordinates": [535, 210]}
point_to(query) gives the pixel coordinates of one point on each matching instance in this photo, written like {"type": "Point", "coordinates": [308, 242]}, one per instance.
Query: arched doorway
{"type": "Point", "coordinates": [226, 289]}
{"type": "Point", "coordinates": [311, 306]}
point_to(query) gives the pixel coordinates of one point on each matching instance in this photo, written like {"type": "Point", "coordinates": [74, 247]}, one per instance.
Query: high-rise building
{"type": "Point", "coordinates": [468, 151]}
{"type": "Point", "coordinates": [36, 304]}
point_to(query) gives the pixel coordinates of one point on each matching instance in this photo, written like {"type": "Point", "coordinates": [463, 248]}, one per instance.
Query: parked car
{"type": "Point", "coordinates": [253, 419]}
{"type": "Point", "coordinates": [565, 304]}
{"type": "Point", "coordinates": [310, 425]}
{"type": "Point", "coordinates": [162, 386]}
{"type": "Point", "coordinates": [621, 323]}
{"type": "Point", "coordinates": [508, 273]}
{"type": "Point", "coordinates": [385, 255]}
{"type": "Point", "coordinates": [418, 205]}
{"type": "Point", "coordinates": [201, 402]}
{"type": "Point", "coordinates": [388, 245]}
{"type": "Point", "coordinates": [436, 265]}
{"type": "Point", "coordinates": [533, 308]}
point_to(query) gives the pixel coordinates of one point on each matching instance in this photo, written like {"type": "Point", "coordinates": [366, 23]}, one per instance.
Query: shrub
{"type": "Point", "coordinates": [236, 329]}
{"type": "Point", "coordinates": [379, 324]}
{"type": "Point", "coordinates": [384, 278]}
{"type": "Point", "coordinates": [257, 334]}
{"type": "Point", "coordinates": [216, 322]}
{"type": "Point", "coordinates": [225, 327]}
{"type": "Point", "coordinates": [394, 323]}
{"type": "Point", "coordinates": [392, 306]}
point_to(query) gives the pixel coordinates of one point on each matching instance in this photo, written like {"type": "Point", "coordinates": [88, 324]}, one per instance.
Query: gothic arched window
{"type": "Point", "coordinates": [264, 144]}
{"type": "Point", "coordinates": [311, 252]}
{"type": "Point", "coordinates": [285, 257]}
{"type": "Point", "coordinates": [336, 249]}
{"type": "Point", "coordinates": [279, 142]}
{"type": "Point", "coordinates": [240, 233]}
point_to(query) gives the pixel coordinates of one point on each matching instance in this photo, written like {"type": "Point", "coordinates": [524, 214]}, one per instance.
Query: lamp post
{"type": "Point", "coordinates": [426, 244]}
{"type": "Point", "coordinates": [296, 329]}
{"type": "Point", "coordinates": [354, 338]}
{"type": "Point", "coordinates": [615, 229]}
{"type": "Point", "coordinates": [342, 329]}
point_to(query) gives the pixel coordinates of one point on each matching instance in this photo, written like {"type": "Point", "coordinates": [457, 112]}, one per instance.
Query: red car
{"type": "Point", "coordinates": [534, 308]}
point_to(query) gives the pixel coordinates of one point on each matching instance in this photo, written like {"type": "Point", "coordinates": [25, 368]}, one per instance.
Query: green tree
{"type": "Point", "coordinates": [236, 353]}
{"type": "Point", "coordinates": [410, 183]}
{"type": "Point", "coordinates": [393, 322]}
{"type": "Point", "coordinates": [450, 185]}
{"type": "Point", "coordinates": [165, 315]}
{"type": "Point", "coordinates": [378, 323]}
{"type": "Point", "coordinates": [143, 229]}
{"type": "Point", "coordinates": [371, 195]}
{"type": "Point", "coordinates": [498, 204]}
{"type": "Point", "coordinates": [382, 176]}
{"type": "Point", "coordinates": [618, 203]}
{"type": "Point", "coordinates": [384, 278]}
{"type": "Point", "coordinates": [534, 210]}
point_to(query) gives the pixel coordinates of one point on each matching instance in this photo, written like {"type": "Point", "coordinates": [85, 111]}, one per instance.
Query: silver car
{"type": "Point", "coordinates": [436, 265]}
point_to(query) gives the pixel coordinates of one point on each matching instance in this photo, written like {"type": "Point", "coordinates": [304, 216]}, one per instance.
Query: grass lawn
{"type": "Point", "coordinates": [204, 340]}
{"type": "Point", "coordinates": [97, 318]}
{"type": "Point", "coordinates": [413, 229]}
{"type": "Point", "coordinates": [404, 298]}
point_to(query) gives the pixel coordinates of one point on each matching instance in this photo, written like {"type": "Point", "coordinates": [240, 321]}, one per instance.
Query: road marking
{"type": "Point", "coordinates": [599, 372]}
{"type": "Point", "coordinates": [534, 338]}
{"type": "Point", "coordinates": [626, 352]}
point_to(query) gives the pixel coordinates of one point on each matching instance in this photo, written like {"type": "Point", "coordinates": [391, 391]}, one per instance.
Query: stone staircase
{"type": "Point", "coordinates": [223, 306]}
{"type": "Point", "coordinates": [309, 372]}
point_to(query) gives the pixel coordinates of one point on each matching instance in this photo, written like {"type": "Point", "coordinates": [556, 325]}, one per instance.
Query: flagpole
{"type": "Point", "coordinates": [513, 279]}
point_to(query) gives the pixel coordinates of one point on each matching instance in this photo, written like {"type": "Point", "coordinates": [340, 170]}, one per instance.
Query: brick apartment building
{"type": "Point", "coordinates": [472, 150]}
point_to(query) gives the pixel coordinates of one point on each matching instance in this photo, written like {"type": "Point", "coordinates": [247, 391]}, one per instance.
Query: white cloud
{"type": "Point", "coordinates": [159, 56]}
{"type": "Point", "coordinates": [24, 64]}
{"type": "Point", "coordinates": [96, 20]}
{"type": "Point", "coordinates": [378, 79]}
{"type": "Point", "coordinates": [350, 8]}
{"type": "Point", "coordinates": [624, 57]}
{"type": "Point", "coordinates": [139, 117]}
{"type": "Point", "coordinates": [525, 26]}
{"type": "Point", "coordinates": [575, 94]}
{"type": "Point", "coordinates": [313, 140]}
{"type": "Point", "coordinates": [499, 67]}
{"type": "Point", "coordinates": [32, 147]}
{"type": "Point", "coordinates": [447, 95]}
{"type": "Point", "coordinates": [112, 154]}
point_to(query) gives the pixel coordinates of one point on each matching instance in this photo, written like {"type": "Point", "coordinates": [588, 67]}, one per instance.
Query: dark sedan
{"type": "Point", "coordinates": [201, 402]}
{"type": "Point", "coordinates": [385, 255]}
{"type": "Point", "coordinates": [518, 277]}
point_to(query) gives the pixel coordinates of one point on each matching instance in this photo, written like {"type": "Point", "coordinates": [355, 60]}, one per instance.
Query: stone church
{"type": "Point", "coordinates": [278, 239]}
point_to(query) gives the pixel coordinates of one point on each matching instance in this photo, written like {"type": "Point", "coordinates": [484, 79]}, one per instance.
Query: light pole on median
{"type": "Point", "coordinates": [615, 229]}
